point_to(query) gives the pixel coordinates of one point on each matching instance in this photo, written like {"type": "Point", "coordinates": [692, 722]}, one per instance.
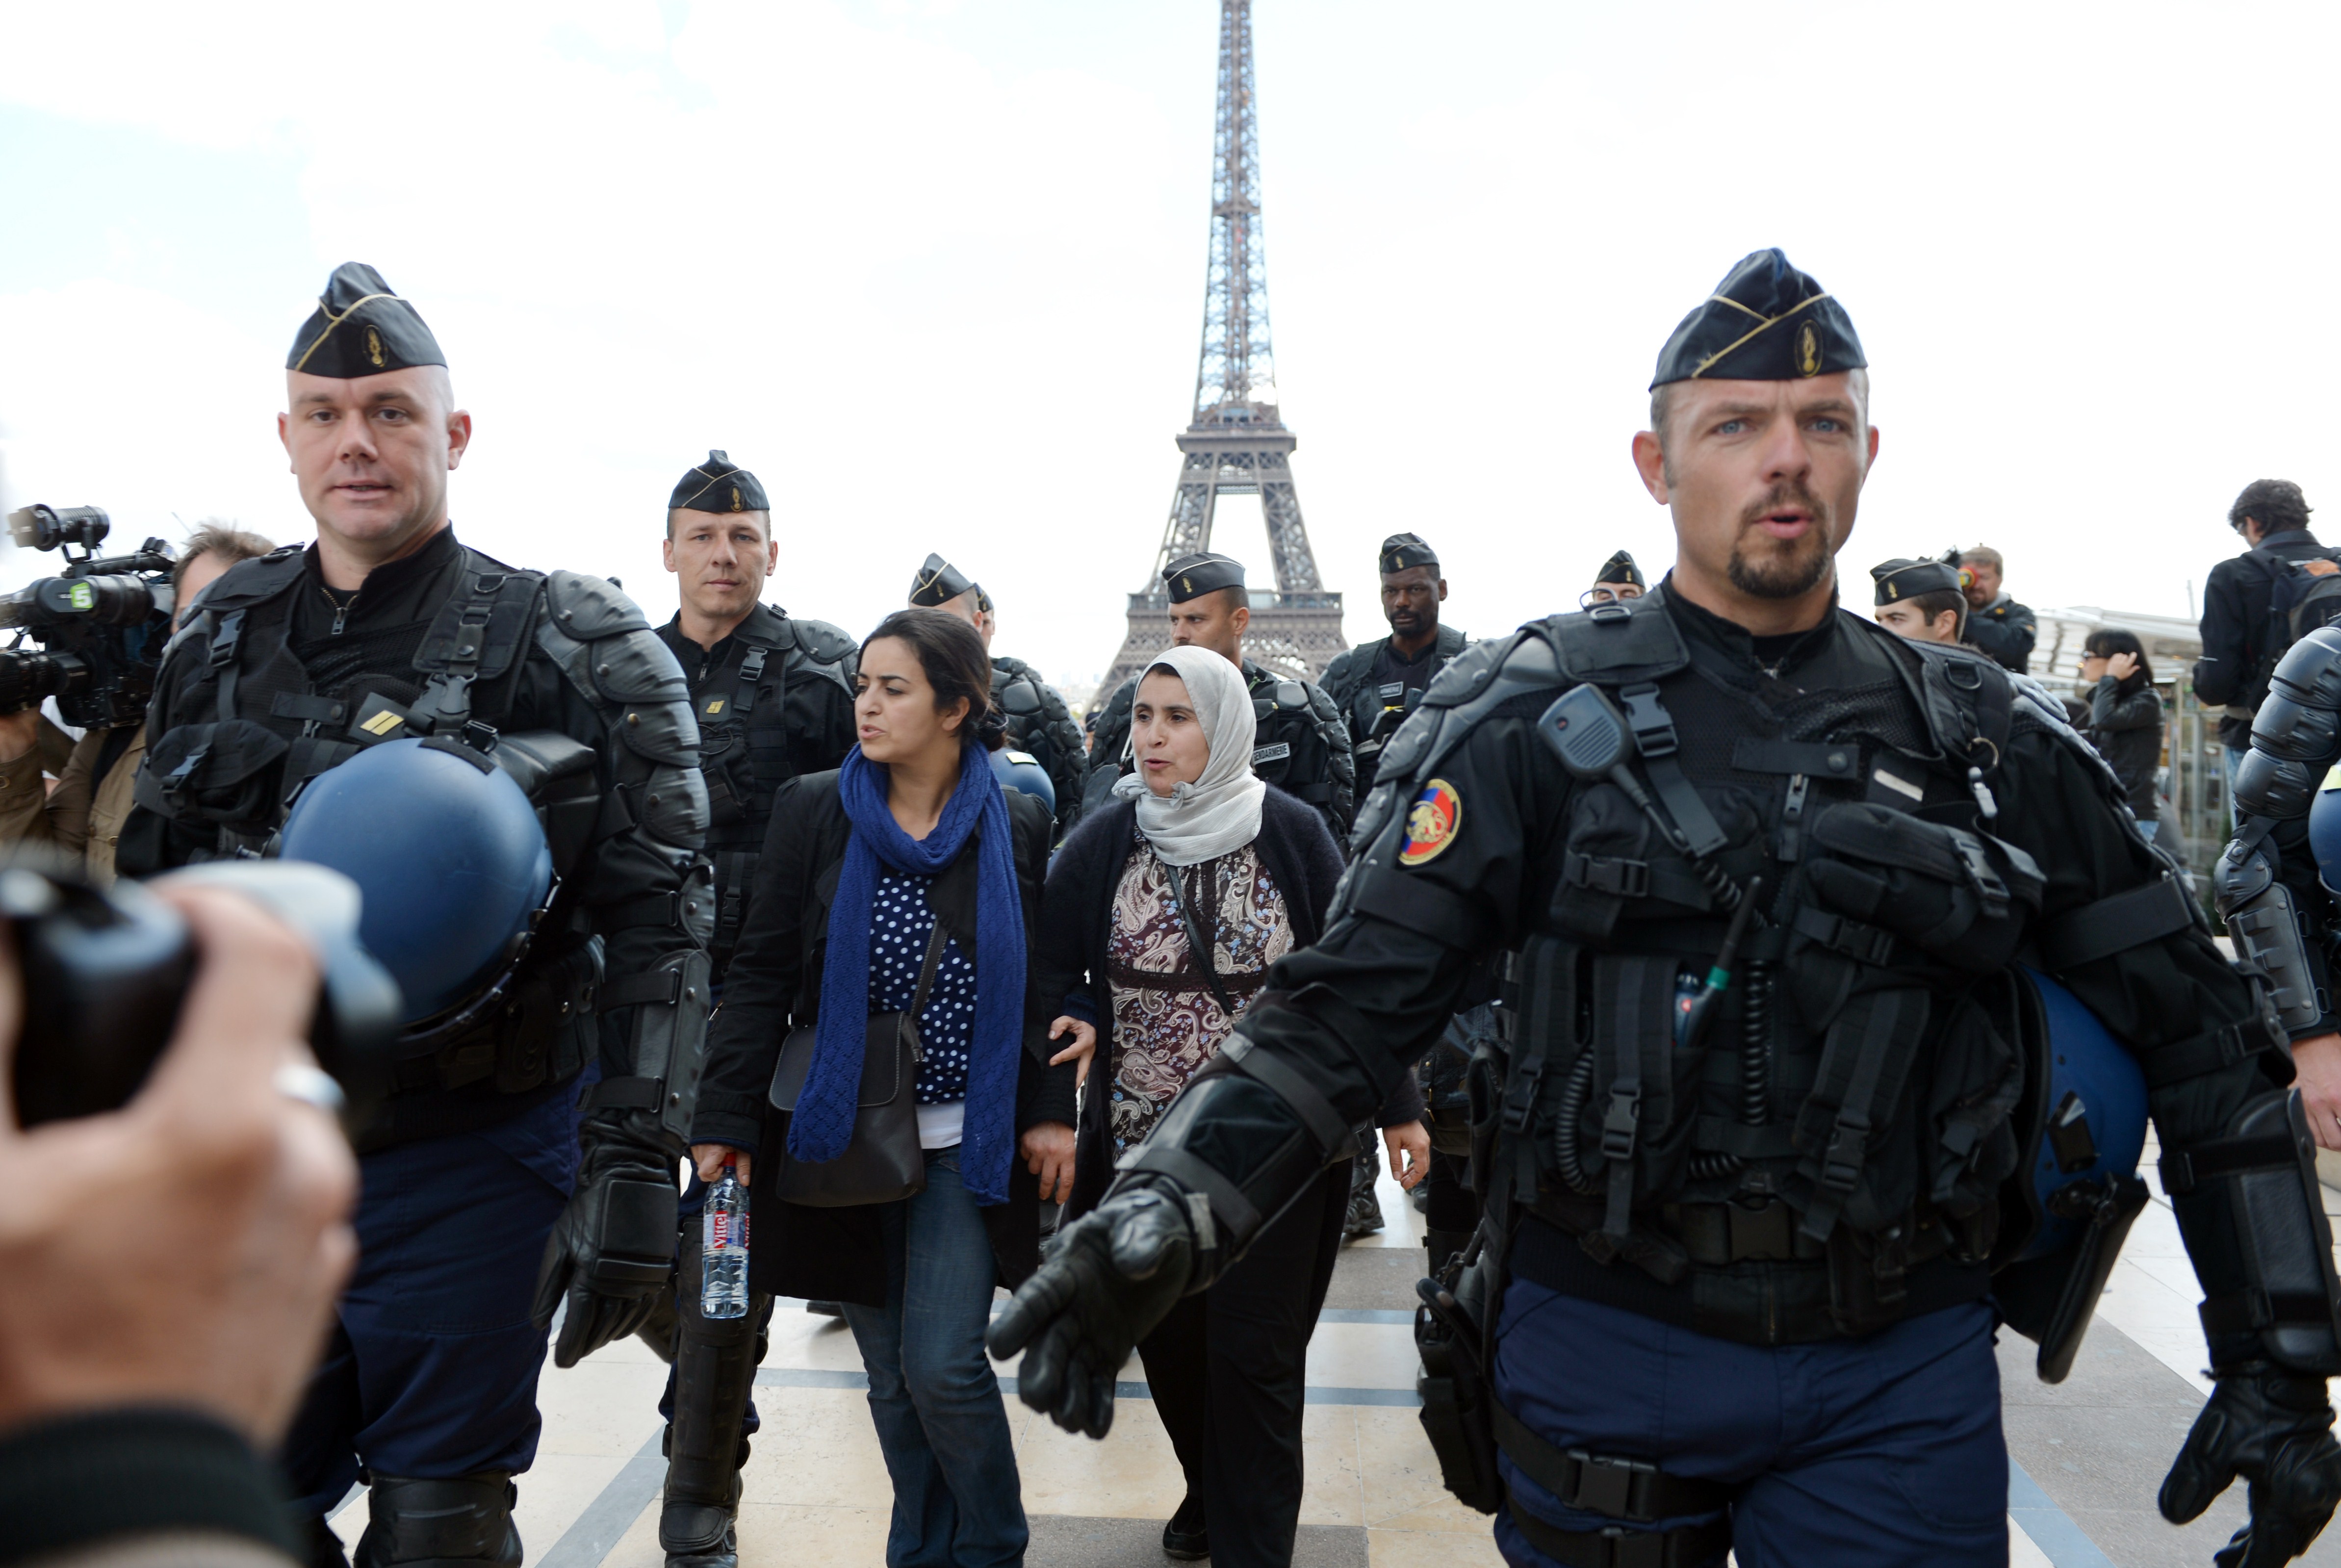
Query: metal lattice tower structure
{"type": "Point", "coordinates": [1236, 444]}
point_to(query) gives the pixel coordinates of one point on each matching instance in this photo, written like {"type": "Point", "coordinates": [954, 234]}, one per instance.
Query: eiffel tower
{"type": "Point", "coordinates": [1236, 444]}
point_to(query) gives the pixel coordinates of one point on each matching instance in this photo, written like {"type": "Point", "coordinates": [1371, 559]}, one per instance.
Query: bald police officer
{"type": "Point", "coordinates": [1770, 1202]}
{"type": "Point", "coordinates": [480, 1189]}
{"type": "Point", "coordinates": [1039, 723]}
{"type": "Point", "coordinates": [774, 697]}
{"type": "Point", "coordinates": [1300, 743]}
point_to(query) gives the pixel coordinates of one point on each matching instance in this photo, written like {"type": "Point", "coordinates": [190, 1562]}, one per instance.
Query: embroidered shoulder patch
{"type": "Point", "coordinates": [1430, 823]}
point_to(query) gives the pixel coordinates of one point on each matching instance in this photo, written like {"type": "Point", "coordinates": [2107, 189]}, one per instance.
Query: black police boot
{"type": "Point", "coordinates": [464, 1522]}
{"type": "Point", "coordinates": [1186, 1537]}
{"type": "Point", "coordinates": [714, 1367]}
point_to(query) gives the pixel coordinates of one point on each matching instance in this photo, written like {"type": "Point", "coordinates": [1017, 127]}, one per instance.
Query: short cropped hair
{"type": "Point", "coordinates": [1933, 604]}
{"type": "Point", "coordinates": [216, 536]}
{"type": "Point", "coordinates": [2277, 503]}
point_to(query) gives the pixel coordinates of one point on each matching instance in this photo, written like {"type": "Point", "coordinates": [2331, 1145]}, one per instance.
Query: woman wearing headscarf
{"type": "Point", "coordinates": [1162, 916]}
{"type": "Point", "coordinates": [860, 868]}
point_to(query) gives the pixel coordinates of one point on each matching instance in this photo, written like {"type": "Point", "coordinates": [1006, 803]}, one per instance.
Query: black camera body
{"type": "Point", "coordinates": [101, 623]}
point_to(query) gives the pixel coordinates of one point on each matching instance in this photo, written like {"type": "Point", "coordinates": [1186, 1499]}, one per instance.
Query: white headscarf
{"type": "Point", "coordinates": [1219, 811]}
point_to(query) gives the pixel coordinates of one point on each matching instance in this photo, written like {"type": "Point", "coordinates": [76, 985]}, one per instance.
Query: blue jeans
{"type": "Point", "coordinates": [1877, 1452]}
{"type": "Point", "coordinates": [935, 1400]}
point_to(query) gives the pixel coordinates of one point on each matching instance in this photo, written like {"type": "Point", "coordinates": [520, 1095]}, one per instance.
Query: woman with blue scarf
{"type": "Point", "coordinates": [859, 867]}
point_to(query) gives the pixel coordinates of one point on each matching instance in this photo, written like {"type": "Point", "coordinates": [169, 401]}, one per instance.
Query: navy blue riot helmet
{"type": "Point", "coordinates": [2325, 833]}
{"type": "Point", "coordinates": [450, 858]}
{"type": "Point", "coordinates": [1022, 770]}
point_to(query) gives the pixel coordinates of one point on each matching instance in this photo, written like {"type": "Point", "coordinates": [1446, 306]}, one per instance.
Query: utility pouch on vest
{"type": "Point", "coordinates": [220, 772]}
{"type": "Point", "coordinates": [1967, 1136]}
{"type": "Point", "coordinates": [542, 1036]}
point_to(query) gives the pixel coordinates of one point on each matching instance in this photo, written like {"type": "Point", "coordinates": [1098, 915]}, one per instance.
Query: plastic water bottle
{"type": "Point", "coordinates": [724, 1249]}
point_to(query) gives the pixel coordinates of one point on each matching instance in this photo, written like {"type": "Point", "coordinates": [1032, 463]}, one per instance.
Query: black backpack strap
{"type": "Point", "coordinates": [226, 637]}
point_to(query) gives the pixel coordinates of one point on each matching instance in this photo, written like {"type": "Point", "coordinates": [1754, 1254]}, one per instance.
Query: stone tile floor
{"type": "Point", "coordinates": [2089, 1454]}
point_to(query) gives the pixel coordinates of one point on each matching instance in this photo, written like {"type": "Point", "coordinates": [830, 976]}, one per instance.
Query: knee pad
{"type": "Point", "coordinates": [461, 1523]}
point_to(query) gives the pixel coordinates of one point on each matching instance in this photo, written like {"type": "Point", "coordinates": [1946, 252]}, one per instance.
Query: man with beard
{"type": "Point", "coordinates": [1760, 872]}
{"type": "Point", "coordinates": [1376, 684]}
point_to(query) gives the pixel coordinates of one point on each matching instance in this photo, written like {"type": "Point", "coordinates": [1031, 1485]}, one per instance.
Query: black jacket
{"type": "Point", "coordinates": [1077, 924]}
{"type": "Point", "coordinates": [2233, 671]}
{"type": "Point", "coordinates": [774, 984]}
{"type": "Point", "coordinates": [2005, 631]}
{"type": "Point", "coordinates": [2126, 730]}
{"type": "Point", "coordinates": [1349, 682]}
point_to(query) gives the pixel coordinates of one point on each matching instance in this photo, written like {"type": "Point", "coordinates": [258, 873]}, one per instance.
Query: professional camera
{"type": "Point", "coordinates": [105, 968]}
{"type": "Point", "coordinates": [101, 623]}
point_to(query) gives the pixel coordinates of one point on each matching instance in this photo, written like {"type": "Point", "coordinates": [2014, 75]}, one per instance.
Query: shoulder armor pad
{"type": "Point", "coordinates": [1609, 649]}
{"type": "Point", "coordinates": [822, 643]}
{"type": "Point", "coordinates": [591, 608]}
{"type": "Point", "coordinates": [1475, 682]}
{"type": "Point", "coordinates": [637, 667]}
{"type": "Point", "coordinates": [1007, 667]}
{"type": "Point", "coordinates": [1292, 695]}
{"type": "Point", "coordinates": [1124, 698]}
{"type": "Point", "coordinates": [250, 583]}
{"type": "Point", "coordinates": [2310, 671]}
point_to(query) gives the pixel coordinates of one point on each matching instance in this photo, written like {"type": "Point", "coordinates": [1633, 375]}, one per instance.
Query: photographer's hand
{"type": "Point", "coordinates": [185, 1250]}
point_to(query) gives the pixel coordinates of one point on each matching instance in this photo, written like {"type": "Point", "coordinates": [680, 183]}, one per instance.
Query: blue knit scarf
{"type": "Point", "coordinates": [823, 1122]}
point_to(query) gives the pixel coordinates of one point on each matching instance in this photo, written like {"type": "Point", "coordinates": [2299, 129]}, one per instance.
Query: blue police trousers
{"type": "Point", "coordinates": [432, 1366]}
{"type": "Point", "coordinates": [1853, 1453]}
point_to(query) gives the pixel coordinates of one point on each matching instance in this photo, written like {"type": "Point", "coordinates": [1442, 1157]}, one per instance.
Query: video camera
{"type": "Point", "coordinates": [101, 622]}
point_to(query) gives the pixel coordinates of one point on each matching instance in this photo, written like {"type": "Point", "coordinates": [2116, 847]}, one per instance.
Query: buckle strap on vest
{"type": "Point", "coordinates": [1629, 1489]}
{"type": "Point", "coordinates": [1640, 996]}
{"type": "Point", "coordinates": [1655, 739]}
{"type": "Point", "coordinates": [2130, 918]}
{"type": "Point", "coordinates": [1862, 944]}
{"type": "Point", "coordinates": [225, 637]}
{"type": "Point", "coordinates": [660, 985]}
{"type": "Point", "coordinates": [1873, 1030]}
{"type": "Point", "coordinates": [752, 670]}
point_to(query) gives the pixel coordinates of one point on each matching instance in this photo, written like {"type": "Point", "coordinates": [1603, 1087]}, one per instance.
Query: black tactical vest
{"type": "Point", "coordinates": [1288, 747]}
{"type": "Point", "coordinates": [1830, 1157]}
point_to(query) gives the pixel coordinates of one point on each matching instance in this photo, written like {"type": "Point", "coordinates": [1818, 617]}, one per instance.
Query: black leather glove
{"type": "Point", "coordinates": [2274, 1429]}
{"type": "Point", "coordinates": [1959, 897]}
{"type": "Point", "coordinates": [612, 1252]}
{"type": "Point", "coordinates": [1113, 1276]}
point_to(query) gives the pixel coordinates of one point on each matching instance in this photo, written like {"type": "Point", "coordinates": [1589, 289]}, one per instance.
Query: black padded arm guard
{"type": "Point", "coordinates": [2295, 737]}
{"type": "Point", "coordinates": [2253, 1220]}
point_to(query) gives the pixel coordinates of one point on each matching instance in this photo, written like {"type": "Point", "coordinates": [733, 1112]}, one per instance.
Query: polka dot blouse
{"type": "Point", "coordinates": [900, 923]}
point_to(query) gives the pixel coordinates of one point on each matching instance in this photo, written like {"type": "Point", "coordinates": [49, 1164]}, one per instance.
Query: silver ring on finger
{"type": "Point", "coordinates": [311, 1086]}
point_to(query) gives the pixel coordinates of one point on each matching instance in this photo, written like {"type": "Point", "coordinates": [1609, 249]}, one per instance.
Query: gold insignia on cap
{"type": "Point", "coordinates": [1808, 350]}
{"type": "Point", "coordinates": [1186, 584]}
{"type": "Point", "coordinates": [735, 498]}
{"type": "Point", "coordinates": [1893, 589]}
{"type": "Point", "coordinates": [373, 348]}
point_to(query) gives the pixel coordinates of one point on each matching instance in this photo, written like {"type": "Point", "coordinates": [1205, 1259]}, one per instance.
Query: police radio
{"type": "Point", "coordinates": [101, 623]}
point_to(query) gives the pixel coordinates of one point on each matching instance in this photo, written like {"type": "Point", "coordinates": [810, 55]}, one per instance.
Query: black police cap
{"type": "Point", "coordinates": [1620, 568]}
{"type": "Point", "coordinates": [1900, 580]}
{"type": "Point", "coordinates": [1193, 576]}
{"type": "Point", "coordinates": [938, 583]}
{"type": "Point", "coordinates": [1765, 322]}
{"type": "Point", "coordinates": [718, 485]}
{"type": "Point", "coordinates": [1401, 551]}
{"type": "Point", "coordinates": [361, 328]}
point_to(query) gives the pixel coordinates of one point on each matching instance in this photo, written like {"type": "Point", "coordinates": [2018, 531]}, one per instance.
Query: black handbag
{"type": "Point", "coordinates": [884, 1163]}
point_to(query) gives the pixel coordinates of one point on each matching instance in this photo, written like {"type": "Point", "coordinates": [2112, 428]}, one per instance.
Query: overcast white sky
{"type": "Point", "coordinates": [935, 270]}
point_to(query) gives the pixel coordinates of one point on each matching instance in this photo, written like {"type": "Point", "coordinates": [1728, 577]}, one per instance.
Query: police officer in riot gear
{"type": "Point", "coordinates": [774, 698]}
{"type": "Point", "coordinates": [1619, 578]}
{"type": "Point", "coordinates": [1376, 684]}
{"type": "Point", "coordinates": [386, 628]}
{"type": "Point", "coordinates": [1303, 747]}
{"type": "Point", "coordinates": [1041, 727]}
{"type": "Point", "coordinates": [1763, 873]}
{"type": "Point", "coordinates": [774, 692]}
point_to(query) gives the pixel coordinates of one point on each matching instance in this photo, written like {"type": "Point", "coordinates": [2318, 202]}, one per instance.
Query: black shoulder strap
{"type": "Point", "coordinates": [1609, 647]}
{"type": "Point", "coordinates": [476, 636]}
{"type": "Point", "coordinates": [226, 636]}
